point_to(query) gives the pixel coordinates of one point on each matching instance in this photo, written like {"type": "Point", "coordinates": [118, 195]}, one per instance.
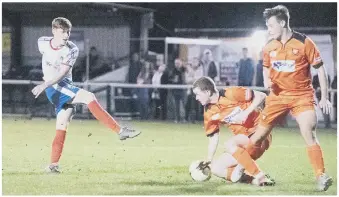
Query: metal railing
{"type": "Point", "coordinates": [111, 98]}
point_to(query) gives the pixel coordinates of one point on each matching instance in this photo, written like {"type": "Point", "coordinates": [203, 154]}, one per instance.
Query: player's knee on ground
{"type": "Point", "coordinates": [218, 170]}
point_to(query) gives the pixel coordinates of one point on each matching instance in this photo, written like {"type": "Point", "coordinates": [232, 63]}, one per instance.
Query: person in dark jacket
{"type": "Point", "coordinates": [209, 67]}
{"type": "Point", "coordinates": [177, 77]}
{"type": "Point", "coordinates": [246, 69]}
{"type": "Point", "coordinates": [259, 77]}
{"type": "Point", "coordinates": [159, 96]}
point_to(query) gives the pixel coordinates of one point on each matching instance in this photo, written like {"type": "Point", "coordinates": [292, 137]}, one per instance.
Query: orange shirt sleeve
{"type": "Point", "coordinates": [239, 94]}
{"type": "Point", "coordinates": [312, 53]}
{"type": "Point", "coordinates": [211, 123]}
{"type": "Point", "coordinates": [266, 58]}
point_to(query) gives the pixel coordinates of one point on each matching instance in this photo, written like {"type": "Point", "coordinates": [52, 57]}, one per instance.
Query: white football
{"type": "Point", "coordinates": [198, 174]}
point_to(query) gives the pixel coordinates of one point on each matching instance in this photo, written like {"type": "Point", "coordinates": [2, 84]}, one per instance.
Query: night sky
{"type": "Point", "coordinates": [235, 15]}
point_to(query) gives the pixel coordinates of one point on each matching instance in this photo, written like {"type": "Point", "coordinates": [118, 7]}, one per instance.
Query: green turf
{"type": "Point", "coordinates": [155, 163]}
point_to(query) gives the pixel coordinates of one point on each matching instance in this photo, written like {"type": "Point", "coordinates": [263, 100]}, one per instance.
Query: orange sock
{"type": "Point", "coordinates": [58, 145]}
{"type": "Point", "coordinates": [244, 159]}
{"type": "Point", "coordinates": [251, 149]}
{"type": "Point", "coordinates": [100, 114]}
{"type": "Point", "coordinates": [316, 158]}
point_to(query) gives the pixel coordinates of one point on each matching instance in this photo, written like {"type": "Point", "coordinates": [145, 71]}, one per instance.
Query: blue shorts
{"type": "Point", "coordinates": [61, 93]}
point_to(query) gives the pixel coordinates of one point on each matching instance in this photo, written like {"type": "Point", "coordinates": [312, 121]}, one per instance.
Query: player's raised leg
{"type": "Point", "coordinates": [307, 121]}
{"type": "Point", "coordinates": [64, 117]}
{"type": "Point", "coordinates": [88, 98]}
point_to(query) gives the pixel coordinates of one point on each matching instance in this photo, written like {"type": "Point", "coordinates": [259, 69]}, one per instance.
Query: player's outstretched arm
{"type": "Point", "coordinates": [267, 80]}
{"type": "Point", "coordinates": [257, 99]}
{"type": "Point", "coordinates": [212, 145]}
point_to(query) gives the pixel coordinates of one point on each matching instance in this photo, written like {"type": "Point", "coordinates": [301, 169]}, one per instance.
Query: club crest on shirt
{"type": "Point", "coordinates": [295, 51]}
{"type": "Point", "coordinates": [273, 53]}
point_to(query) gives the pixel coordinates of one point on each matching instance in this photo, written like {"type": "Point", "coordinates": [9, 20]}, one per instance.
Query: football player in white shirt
{"type": "Point", "coordinates": [58, 57]}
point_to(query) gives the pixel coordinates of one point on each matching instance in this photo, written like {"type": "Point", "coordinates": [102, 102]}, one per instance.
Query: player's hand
{"type": "Point", "coordinates": [268, 83]}
{"type": "Point", "coordinates": [271, 86]}
{"type": "Point", "coordinates": [37, 90]}
{"type": "Point", "coordinates": [204, 164]}
{"type": "Point", "coordinates": [325, 105]}
{"type": "Point", "coordinates": [240, 118]}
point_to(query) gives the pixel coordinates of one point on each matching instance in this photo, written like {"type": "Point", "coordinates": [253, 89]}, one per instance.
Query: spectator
{"type": "Point", "coordinates": [227, 82]}
{"type": "Point", "coordinates": [209, 67]}
{"type": "Point", "coordinates": [193, 72]}
{"type": "Point", "coordinates": [132, 75]}
{"type": "Point", "coordinates": [316, 86]}
{"type": "Point", "coordinates": [35, 74]}
{"type": "Point", "coordinates": [260, 79]}
{"type": "Point", "coordinates": [144, 77]}
{"type": "Point", "coordinates": [97, 66]}
{"type": "Point", "coordinates": [134, 69]}
{"type": "Point", "coordinates": [177, 77]}
{"type": "Point", "coordinates": [334, 87]}
{"type": "Point", "coordinates": [159, 96]}
{"type": "Point", "coordinates": [246, 69]}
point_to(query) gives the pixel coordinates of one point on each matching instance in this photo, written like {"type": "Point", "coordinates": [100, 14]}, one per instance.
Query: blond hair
{"type": "Point", "coordinates": [62, 23]}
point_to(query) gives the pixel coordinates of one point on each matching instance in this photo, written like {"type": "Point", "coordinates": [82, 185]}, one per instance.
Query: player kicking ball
{"type": "Point", "coordinates": [58, 57]}
{"type": "Point", "coordinates": [238, 109]}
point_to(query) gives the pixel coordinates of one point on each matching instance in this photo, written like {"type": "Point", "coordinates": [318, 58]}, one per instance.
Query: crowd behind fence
{"type": "Point", "coordinates": [117, 99]}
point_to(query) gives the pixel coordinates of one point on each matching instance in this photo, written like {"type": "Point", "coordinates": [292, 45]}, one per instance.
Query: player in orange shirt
{"type": "Point", "coordinates": [226, 107]}
{"type": "Point", "coordinates": [288, 58]}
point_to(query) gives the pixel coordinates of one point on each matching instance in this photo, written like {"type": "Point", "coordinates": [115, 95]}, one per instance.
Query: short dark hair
{"type": "Point", "coordinates": [280, 12]}
{"type": "Point", "coordinates": [245, 49]}
{"type": "Point", "coordinates": [62, 23]}
{"type": "Point", "coordinates": [205, 83]}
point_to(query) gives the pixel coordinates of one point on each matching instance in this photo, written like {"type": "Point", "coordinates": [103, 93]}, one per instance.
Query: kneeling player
{"type": "Point", "coordinates": [227, 167]}
{"type": "Point", "coordinates": [238, 109]}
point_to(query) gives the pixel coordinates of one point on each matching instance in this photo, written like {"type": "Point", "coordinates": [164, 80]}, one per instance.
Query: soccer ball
{"type": "Point", "coordinates": [198, 174]}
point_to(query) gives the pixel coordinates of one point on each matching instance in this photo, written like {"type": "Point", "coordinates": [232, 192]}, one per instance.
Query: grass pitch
{"type": "Point", "coordinates": [96, 162]}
